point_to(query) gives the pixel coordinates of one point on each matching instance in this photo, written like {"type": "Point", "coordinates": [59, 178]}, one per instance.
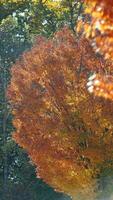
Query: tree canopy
{"type": "Point", "coordinates": [43, 16]}
{"type": "Point", "coordinates": [66, 132]}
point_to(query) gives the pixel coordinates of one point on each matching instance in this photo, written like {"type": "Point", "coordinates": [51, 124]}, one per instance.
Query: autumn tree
{"type": "Point", "coordinates": [17, 176]}
{"type": "Point", "coordinates": [66, 132]}
{"type": "Point", "coordinates": [20, 20]}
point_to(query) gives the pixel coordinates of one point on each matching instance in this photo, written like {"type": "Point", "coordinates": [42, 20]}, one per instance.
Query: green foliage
{"type": "Point", "coordinates": [43, 17]}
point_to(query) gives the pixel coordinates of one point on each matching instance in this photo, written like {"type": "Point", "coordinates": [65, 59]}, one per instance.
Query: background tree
{"type": "Point", "coordinates": [44, 17]}
{"type": "Point", "coordinates": [12, 44]}
{"type": "Point", "coordinates": [66, 132]}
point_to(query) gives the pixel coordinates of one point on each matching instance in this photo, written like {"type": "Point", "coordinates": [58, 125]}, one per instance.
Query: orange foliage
{"type": "Point", "coordinates": [66, 131]}
{"type": "Point", "coordinates": [101, 86]}
{"type": "Point", "coordinates": [100, 29]}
